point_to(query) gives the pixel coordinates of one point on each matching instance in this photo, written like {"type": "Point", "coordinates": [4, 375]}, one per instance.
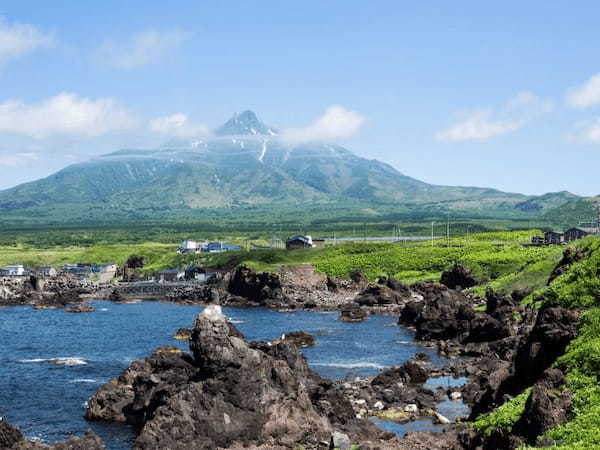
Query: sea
{"type": "Point", "coordinates": [47, 400]}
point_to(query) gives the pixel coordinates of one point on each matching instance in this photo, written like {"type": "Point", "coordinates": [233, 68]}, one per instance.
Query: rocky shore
{"type": "Point", "coordinates": [52, 292]}
{"type": "Point", "coordinates": [229, 393]}
{"type": "Point", "coordinates": [11, 438]}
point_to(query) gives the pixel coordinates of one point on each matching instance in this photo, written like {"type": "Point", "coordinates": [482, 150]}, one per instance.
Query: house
{"type": "Point", "coordinates": [198, 273]}
{"type": "Point", "coordinates": [214, 247]}
{"type": "Point", "coordinates": [298, 241]}
{"type": "Point", "coordinates": [318, 242]}
{"type": "Point", "coordinates": [572, 234]}
{"type": "Point", "coordinates": [171, 275]}
{"type": "Point", "coordinates": [538, 240]}
{"type": "Point", "coordinates": [554, 237]}
{"type": "Point", "coordinates": [15, 271]}
{"type": "Point", "coordinates": [191, 247]}
{"type": "Point", "coordinates": [79, 271]}
{"type": "Point", "coordinates": [46, 271]}
{"type": "Point", "coordinates": [231, 248]}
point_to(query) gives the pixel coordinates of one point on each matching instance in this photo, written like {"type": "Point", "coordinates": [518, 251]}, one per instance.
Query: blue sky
{"type": "Point", "coordinates": [458, 93]}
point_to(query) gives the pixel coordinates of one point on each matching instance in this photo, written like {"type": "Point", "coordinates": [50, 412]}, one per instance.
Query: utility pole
{"type": "Point", "coordinates": [432, 224]}
{"type": "Point", "coordinates": [448, 229]}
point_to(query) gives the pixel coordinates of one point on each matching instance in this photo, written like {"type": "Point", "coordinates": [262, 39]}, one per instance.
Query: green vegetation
{"type": "Point", "coordinates": [578, 287]}
{"type": "Point", "coordinates": [503, 417]}
{"type": "Point", "coordinates": [496, 257]}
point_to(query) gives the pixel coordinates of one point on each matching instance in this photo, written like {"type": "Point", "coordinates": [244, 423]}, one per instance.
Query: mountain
{"type": "Point", "coordinates": [574, 212]}
{"type": "Point", "coordinates": [246, 164]}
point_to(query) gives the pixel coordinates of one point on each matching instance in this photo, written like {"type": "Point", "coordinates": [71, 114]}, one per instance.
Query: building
{"type": "Point", "coordinates": [14, 271]}
{"type": "Point", "coordinates": [191, 247]}
{"type": "Point", "coordinates": [171, 275]}
{"type": "Point", "coordinates": [554, 238]}
{"type": "Point", "coordinates": [46, 271]}
{"type": "Point", "coordinates": [198, 273]}
{"type": "Point", "coordinates": [318, 242]}
{"type": "Point", "coordinates": [572, 234]}
{"type": "Point", "coordinates": [214, 247]}
{"type": "Point", "coordinates": [299, 241]}
{"type": "Point", "coordinates": [538, 240]}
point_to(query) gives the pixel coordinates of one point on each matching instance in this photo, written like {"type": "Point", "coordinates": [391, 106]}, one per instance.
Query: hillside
{"type": "Point", "coordinates": [245, 164]}
{"type": "Point", "coordinates": [573, 212]}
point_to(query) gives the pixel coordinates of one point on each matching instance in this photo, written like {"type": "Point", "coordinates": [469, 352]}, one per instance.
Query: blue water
{"type": "Point", "coordinates": [47, 400]}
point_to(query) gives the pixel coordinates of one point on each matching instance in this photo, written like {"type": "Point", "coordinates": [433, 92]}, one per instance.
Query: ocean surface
{"type": "Point", "coordinates": [47, 400]}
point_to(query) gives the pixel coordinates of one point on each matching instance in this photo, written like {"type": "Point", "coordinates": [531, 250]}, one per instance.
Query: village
{"type": "Point", "coordinates": [111, 272]}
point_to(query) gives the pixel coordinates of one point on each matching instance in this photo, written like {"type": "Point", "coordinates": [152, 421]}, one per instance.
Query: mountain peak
{"type": "Point", "coordinates": [245, 123]}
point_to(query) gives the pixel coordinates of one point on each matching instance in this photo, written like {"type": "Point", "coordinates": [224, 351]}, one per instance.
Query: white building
{"type": "Point", "coordinates": [189, 246]}
{"type": "Point", "coordinates": [15, 271]}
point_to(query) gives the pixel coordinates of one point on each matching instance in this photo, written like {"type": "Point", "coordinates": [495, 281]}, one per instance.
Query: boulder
{"type": "Point", "coordinates": [352, 312]}
{"type": "Point", "coordinates": [261, 288]}
{"type": "Point", "coordinates": [458, 277]}
{"type": "Point", "coordinates": [377, 295]}
{"type": "Point", "coordinates": [9, 434]}
{"type": "Point", "coordinates": [299, 338]}
{"type": "Point", "coordinates": [546, 407]}
{"type": "Point", "coordinates": [553, 330]}
{"type": "Point", "coordinates": [11, 438]}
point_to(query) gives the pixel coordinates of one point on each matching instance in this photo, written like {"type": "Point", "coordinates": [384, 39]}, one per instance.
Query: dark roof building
{"type": "Point", "coordinates": [572, 234]}
{"type": "Point", "coordinates": [298, 241]}
{"type": "Point", "coordinates": [554, 237]}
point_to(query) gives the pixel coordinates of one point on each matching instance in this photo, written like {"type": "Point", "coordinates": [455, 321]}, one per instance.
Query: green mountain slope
{"type": "Point", "coordinates": [245, 165]}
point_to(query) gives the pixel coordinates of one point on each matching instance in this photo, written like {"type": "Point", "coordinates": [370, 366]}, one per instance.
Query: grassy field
{"type": "Point", "coordinates": [497, 257]}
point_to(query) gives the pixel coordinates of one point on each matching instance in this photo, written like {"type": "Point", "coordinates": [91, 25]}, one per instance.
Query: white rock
{"type": "Point", "coordinates": [411, 408]}
{"type": "Point", "coordinates": [213, 313]}
{"type": "Point", "coordinates": [379, 405]}
{"type": "Point", "coordinates": [340, 441]}
{"type": "Point", "coordinates": [361, 402]}
{"type": "Point", "coordinates": [455, 396]}
{"type": "Point", "coordinates": [441, 419]}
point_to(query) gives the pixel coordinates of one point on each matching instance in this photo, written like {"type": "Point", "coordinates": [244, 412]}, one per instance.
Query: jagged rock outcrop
{"type": "Point", "coordinates": [547, 406]}
{"type": "Point", "coordinates": [459, 277]}
{"type": "Point", "coordinates": [9, 435]}
{"type": "Point", "coordinates": [230, 393]}
{"type": "Point", "coordinates": [260, 288]}
{"type": "Point", "coordinates": [54, 292]}
{"type": "Point", "coordinates": [442, 314]}
{"type": "Point", "coordinates": [11, 438]}
{"type": "Point", "coordinates": [570, 255]}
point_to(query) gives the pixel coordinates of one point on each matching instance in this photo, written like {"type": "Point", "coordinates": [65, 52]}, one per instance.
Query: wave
{"type": "Point", "coordinates": [84, 380]}
{"type": "Point", "coordinates": [235, 321]}
{"type": "Point", "coordinates": [67, 361]}
{"type": "Point", "coordinates": [352, 365]}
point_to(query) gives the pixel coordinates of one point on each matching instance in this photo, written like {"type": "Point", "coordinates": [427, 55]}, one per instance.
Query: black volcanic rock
{"type": "Point", "coordinates": [458, 277]}
{"type": "Point", "coordinates": [9, 435]}
{"type": "Point", "coordinates": [230, 394]}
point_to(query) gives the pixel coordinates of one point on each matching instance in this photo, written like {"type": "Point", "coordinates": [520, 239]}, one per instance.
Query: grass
{"type": "Point", "coordinates": [578, 287]}
{"type": "Point", "coordinates": [497, 257]}
{"type": "Point", "coordinates": [503, 417]}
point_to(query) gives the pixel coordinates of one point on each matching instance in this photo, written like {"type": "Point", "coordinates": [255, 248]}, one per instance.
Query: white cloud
{"type": "Point", "coordinates": [178, 125]}
{"type": "Point", "coordinates": [587, 132]}
{"type": "Point", "coordinates": [18, 160]}
{"type": "Point", "coordinates": [337, 122]}
{"type": "Point", "coordinates": [478, 126]}
{"type": "Point", "coordinates": [64, 114]}
{"type": "Point", "coordinates": [588, 94]}
{"type": "Point", "coordinates": [19, 39]}
{"type": "Point", "coordinates": [488, 123]}
{"type": "Point", "coordinates": [141, 49]}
